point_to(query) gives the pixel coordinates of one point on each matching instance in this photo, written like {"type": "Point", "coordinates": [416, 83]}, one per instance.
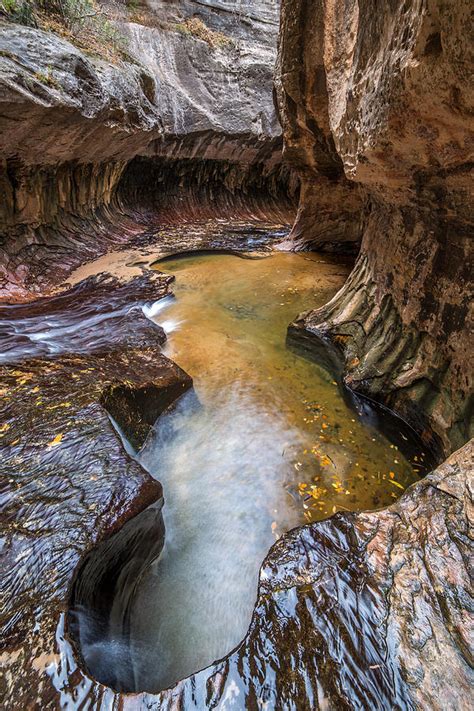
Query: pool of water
{"type": "Point", "coordinates": [266, 443]}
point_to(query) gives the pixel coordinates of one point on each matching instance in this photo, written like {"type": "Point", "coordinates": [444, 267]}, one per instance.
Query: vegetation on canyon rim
{"type": "Point", "coordinates": [197, 28]}
{"type": "Point", "coordinates": [83, 22]}
{"type": "Point", "coordinates": [90, 25]}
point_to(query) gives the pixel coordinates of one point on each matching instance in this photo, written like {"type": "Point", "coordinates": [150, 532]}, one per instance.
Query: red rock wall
{"type": "Point", "coordinates": [386, 89]}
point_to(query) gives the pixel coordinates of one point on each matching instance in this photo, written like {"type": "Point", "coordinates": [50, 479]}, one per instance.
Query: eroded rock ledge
{"type": "Point", "coordinates": [202, 118]}
{"type": "Point", "coordinates": [376, 119]}
{"type": "Point", "coordinates": [68, 482]}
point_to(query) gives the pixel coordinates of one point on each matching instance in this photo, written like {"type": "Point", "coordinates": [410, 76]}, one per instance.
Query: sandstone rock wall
{"type": "Point", "coordinates": [329, 214]}
{"type": "Point", "coordinates": [71, 123]}
{"type": "Point", "coordinates": [379, 97]}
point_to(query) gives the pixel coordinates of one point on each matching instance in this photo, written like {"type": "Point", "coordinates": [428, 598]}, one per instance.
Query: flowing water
{"type": "Point", "coordinates": [268, 444]}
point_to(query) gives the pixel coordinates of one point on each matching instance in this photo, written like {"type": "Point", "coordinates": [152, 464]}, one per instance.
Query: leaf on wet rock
{"type": "Point", "coordinates": [56, 440]}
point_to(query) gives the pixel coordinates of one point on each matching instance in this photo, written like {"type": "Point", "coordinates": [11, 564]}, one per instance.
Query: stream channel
{"type": "Point", "coordinates": [265, 442]}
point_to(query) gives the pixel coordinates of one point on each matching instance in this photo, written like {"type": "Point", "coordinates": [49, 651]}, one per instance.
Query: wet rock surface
{"type": "Point", "coordinates": [369, 610]}
{"type": "Point", "coordinates": [88, 318]}
{"type": "Point", "coordinates": [67, 481]}
{"type": "Point", "coordinates": [359, 611]}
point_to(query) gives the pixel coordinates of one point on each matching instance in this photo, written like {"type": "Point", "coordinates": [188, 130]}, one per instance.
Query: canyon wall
{"type": "Point", "coordinates": [72, 121]}
{"type": "Point", "coordinates": [363, 610]}
{"type": "Point", "coordinates": [375, 103]}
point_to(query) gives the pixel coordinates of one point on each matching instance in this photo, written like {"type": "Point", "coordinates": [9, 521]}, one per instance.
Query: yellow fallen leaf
{"type": "Point", "coordinates": [55, 441]}
{"type": "Point", "coordinates": [395, 483]}
{"type": "Point", "coordinates": [5, 427]}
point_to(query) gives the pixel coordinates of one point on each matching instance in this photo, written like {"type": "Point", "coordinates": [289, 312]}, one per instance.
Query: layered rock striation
{"type": "Point", "coordinates": [375, 109]}
{"type": "Point", "coordinates": [72, 123]}
{"type": "Point", "coordinates": [67, 481]}
{"type": "Point", "coordinates": [366, 610]}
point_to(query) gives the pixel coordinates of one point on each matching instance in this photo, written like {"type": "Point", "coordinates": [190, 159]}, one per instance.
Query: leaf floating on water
{"type": "Point", "coordinates": [55, 441]}
{"type": "Point", "coordinates": [317, 492]}
{"type": "Point", "coordinates": [395, 483]}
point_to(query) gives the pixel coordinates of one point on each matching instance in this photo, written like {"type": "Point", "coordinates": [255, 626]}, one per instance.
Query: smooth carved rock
{"type": "Point", "coordinates": [175, 85]}
{"type": "Point", "coordinates": [71, 123]}
{"type": "Point", "coordinates": [370, 610]}
{"type": "Point", "coordinates": [380, 97]}
{"type": "Point", "coordinates": [93, 209]}
{"type": "Point", "coordinates": [67, 480]}
{"type": "Point", "coordinates": [329, 213]}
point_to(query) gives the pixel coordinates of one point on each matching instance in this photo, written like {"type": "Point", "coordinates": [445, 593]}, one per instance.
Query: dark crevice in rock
{"type": "Point", "coordinates": [188, 190]}
{"type": "Point", "coordinates": [136, 409]}
{"type": "Point", "coordinates": [102, 592]}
